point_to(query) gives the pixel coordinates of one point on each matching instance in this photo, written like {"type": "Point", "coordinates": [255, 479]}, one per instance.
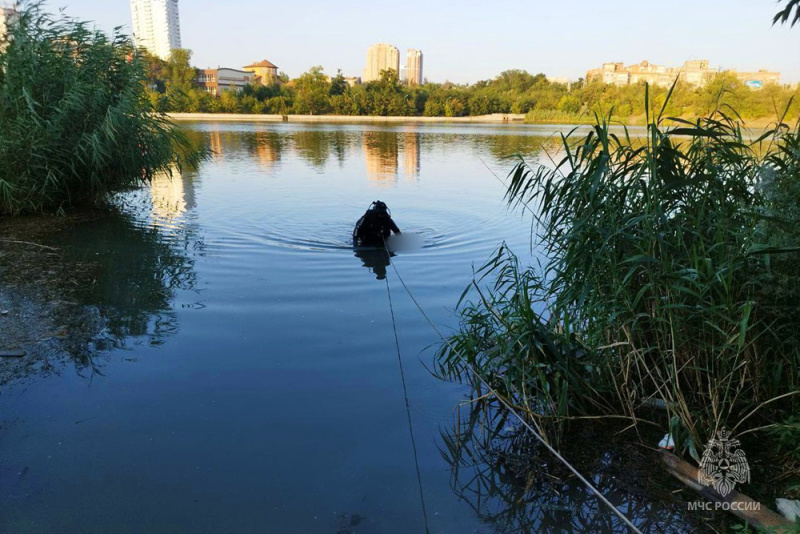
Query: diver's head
{"type": "Point", "coordinates": [380, 207]}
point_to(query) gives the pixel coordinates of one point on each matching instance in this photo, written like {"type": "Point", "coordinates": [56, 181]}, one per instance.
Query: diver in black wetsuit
{"type": "Point", "coordinates": [374, 227]}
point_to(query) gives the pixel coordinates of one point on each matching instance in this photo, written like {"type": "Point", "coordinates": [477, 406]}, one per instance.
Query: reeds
{"type": "Point", "coordinates": [76, 121]}
{"type": "Point", "coordinates": [670, 278]}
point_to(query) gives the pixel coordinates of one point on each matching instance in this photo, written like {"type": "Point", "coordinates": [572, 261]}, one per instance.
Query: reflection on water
{"type": "Point", "coordinates": [376, 260]}
{"type": "Point", "coordinates": [109, 282]}
{"type": "Point", "coordinates": [247, 360]}
{"type": "Point", "coordinates": [172, 193]}
{"type": "Point", "coordinates": [268, 146]}
{"type": "Point", "coordinates": [514, 484]}
{"type": "Point", "coordinates": [136, 270]}
{"type": "Point", "coordinates": [382, 148]}
{"type": "Point", "coordinates": [215, 143]}
{"type": "Point", "coordinates": [381, 153]}
{"type": "Point", "coordinates": [313, 147]}
{"type": "Point", "coordinates": [411, 155]}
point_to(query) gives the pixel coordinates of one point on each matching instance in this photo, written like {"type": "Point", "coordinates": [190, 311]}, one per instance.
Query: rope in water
{"type": "Point", "coordinates": [505, 403]}
{"type": "Point", "coordinates": [408, 408]}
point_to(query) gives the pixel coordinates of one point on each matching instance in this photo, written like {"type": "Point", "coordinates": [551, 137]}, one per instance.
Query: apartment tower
{"type": "Point", "coordinates": [380, 57]}
{"type": "Point", "coordinates": [414, 66]}
{"type": "Point", "coordinates": [7, 16]}
{"type": "Point", "coordinates": [156, 26]}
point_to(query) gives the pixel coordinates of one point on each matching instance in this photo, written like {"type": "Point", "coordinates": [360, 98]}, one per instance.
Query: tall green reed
{"type": "Point", "coordinates": [76, 121]}
{"type": "Point", "coordinates": [669, 270]}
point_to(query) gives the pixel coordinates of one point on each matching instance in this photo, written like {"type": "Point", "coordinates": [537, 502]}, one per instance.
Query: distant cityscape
{"type": "Point", "coordinates": [384, 56]}
{"type": "Point", "coordinates": [695, 72]}
{"type": "Point", "coordinates": [156, 28]}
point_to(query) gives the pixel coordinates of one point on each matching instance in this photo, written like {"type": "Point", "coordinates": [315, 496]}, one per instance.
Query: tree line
{"type": "Point", "coordinates": [173, 88]}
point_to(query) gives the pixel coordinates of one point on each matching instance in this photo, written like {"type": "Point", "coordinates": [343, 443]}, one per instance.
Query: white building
{"type": "Point", "coordinates": [7, 15]}
{"type": "Point", "coordinates": [156, 26]}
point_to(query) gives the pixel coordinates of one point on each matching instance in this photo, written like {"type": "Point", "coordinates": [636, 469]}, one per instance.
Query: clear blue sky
{"type": "Point", "coordinates": [469, 40]}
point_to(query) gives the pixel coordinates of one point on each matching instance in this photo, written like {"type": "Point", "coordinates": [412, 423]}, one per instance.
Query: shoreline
{"type": "Point", "coordinates": [496, 118]}
{"type": "Point", "coordinates": [517, 119]}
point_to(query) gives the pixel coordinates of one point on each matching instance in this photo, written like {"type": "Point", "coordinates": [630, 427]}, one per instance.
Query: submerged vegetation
{"type": "Point", "coordinates": [77, 123]}
{"type": "Point", "coordinates": [513, 484]}
{"type": "Point", "coordinates": [669, 290]}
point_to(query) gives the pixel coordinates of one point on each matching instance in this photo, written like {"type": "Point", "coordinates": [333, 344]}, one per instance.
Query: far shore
{"type": "Point", "coordinates": [495, 118]}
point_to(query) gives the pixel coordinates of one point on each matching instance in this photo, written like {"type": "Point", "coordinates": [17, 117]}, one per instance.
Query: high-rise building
{"type": "Point", "coordinates": [414, 66]}
{"type": "Point", "coordinates": [7, 15]}
{"type": "Point", "coordinates": [156, 26]}
{"type": "Point", "coordinates": [381, 57]}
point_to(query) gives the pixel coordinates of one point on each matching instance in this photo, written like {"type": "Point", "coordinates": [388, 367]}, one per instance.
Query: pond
{"type": "Point", "coordinates": [232, 362]}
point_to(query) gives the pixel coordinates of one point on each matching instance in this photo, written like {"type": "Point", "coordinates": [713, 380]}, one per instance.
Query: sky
{"type": "Point", "coordinates": [468, 40]}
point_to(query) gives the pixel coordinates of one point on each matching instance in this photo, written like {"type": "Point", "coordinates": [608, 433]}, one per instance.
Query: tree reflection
{"type": "Point", "coordinates": [109, 281]}
{"type": "Point", "coordinates": [313, 146]}
{"type": "Point", "coordinates": [505, 146]}
{"type": "Point", "coordinates": [515, 485]}
{"type": "Point", "coordinates": [136, 271]}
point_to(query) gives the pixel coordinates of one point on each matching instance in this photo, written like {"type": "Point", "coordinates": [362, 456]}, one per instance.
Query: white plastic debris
{"type": "Point", "coordinates": [789, 508]}
{"type": "Point", "coordinates": [666, 442]}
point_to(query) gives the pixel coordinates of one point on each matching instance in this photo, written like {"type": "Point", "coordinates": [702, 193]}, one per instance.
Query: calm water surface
{"type": "Point", "coordinates": [245, 377]}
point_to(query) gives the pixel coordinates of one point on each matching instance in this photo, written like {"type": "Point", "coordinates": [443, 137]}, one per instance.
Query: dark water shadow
{"type": "Point", "coordinates": [513, 484]}
{"type": "Point", "coordinates": [106, 280]}
{"type": "Point", "coordinates": [375, 260]}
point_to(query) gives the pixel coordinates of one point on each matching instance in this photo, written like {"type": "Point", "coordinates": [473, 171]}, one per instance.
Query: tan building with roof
{"type": "Point", "coordinates": [266, 72]}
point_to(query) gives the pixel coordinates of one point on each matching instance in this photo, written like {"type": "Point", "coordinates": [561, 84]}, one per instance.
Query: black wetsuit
{"type": "Point", "coordinates": [373, 228]}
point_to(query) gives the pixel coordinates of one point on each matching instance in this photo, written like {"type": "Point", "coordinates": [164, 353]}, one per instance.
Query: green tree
{"type": "Point", "coordinates": [154, 70]}
{"type": "Point", "coordinates": [312, 90]}
{"type": "Point", "coordinates": [338, 84]}
{"type": "Point", "coordinates": [387, 96]}
{"type": "Point", "coordinates": [178, 71]}
{"type": "Point", "coordinates": [180, 79]}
